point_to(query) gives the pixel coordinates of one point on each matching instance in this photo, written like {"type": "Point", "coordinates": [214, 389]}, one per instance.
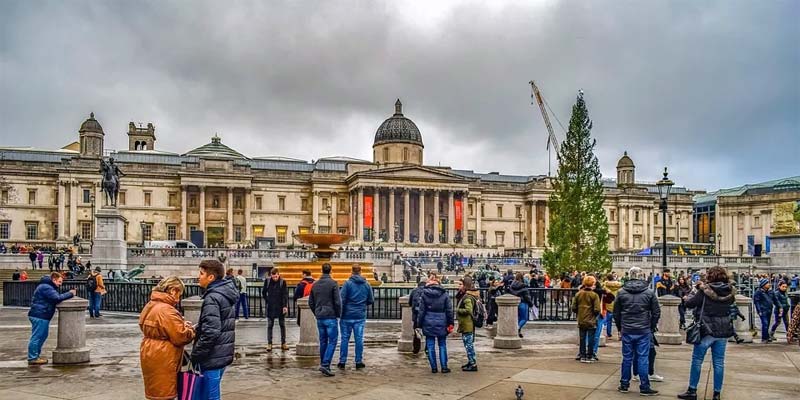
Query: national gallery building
{"type": "Point", "coordinates": [218, 196]}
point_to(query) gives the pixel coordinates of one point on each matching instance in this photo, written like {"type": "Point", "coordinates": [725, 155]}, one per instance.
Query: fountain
{"type": "Point", "coordinates": [292, 271]}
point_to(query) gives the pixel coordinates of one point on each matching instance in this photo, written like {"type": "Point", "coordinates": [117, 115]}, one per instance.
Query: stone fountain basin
{"type": "Point", "coordinates": [322, 240]}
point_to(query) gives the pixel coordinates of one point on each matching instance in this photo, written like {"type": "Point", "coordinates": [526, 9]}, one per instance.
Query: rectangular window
{"type": "Point", "coordinates": [471, 208]}
{"type": "Point", "coordinates": [405, 154]}
{"type": "Point", "coordinates": [471, 237]}
{"type": "Point", "coordinates": [281, 203]}
{"type": "Point", "coordinates": [86, 230]}
{"type": "Point", "coordinates": [55, 197]}
{"type": "Point", "coordinates": [670, 219]}
{"type": "Point", "coordinates": [518, 211]}
{"type": "Point", "coordinates": [385, 154]}
{"type": "Point", "coordinates": [4, 196]}
{"type": "Point", "coordinates": [121, 199]}
{"type": "Point", "coordinates": [193, 200]}
{"type": "Point", "coordinates": [500, 211]}
{"type": "Point", "coordinates": [32, 197]}
{"type": "Point", "coordinates": [172, 232]}
{"type": "Point", "coordinates": [342, 206]}
{"type": "Point", "coordinates": [147, 231]}
{"type": "Point", "coordinates": [636, 216]}
{"type": "Point", "coordinates": [499, 238]}
{"type": "Point", "coordinates": [482, 213]}
{"type": "Point", "coordinates": [518, 239]}
{"type": "Point", "coordinates": [237, 202]}
{"type": "Point", "coordinates": [483, 238]}
{"type": "Point", "coordinates": [259, 203]}
{"type": "Point", "coordinates": [325, 203]}
{"type": "Point", "coordinates": [173, 200]}
{"type": "Point", "coordinates": [258, 231]}
{"type": "Point", "coordinates": [31, 230]}
{"type": "Point", "coordinates": [613, 215]}
{"type": "Point", "coordinates": [55, 230]}
{"type": "Point", "coordinates": [147, 196]}
{"type": "Point", "coordinates": [238, 235]}
{"type": "Point", "coordinates": [5, 228]}
{"type": "Point", "coordinates": [756, 222]}
{"type": "Point", "coordinates": [87, 196]}
{"type": "Point", "coordinates": [215, 203]}
{"type": "Point", "coordinates": [280, 234]}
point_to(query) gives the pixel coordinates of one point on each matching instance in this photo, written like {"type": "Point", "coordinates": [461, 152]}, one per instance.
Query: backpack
{"type": "Point", "coordinates": [478, 311]}
{"type": "Point", "coordinates": [307, 289]}
{"type": "Point", "coordinates": [238, 283]}
{"type": "Point", "coordinates": [91, 283]}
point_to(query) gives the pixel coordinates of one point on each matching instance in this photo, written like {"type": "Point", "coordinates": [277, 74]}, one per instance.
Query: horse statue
{"type": "Point", "coordinates": [110, 185]}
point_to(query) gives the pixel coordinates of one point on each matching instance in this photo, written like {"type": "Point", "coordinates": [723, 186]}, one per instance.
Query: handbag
{"type": "Point", "coordinates": [189, 381]}
{"type": "Point", "coordinates": [694, 332]}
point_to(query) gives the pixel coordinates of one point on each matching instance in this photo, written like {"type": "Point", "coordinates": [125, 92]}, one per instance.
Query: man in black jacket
{"type": "Point", "coordinates": [636, 314]}
{"type": "Point", "coordinates": [326, 305]}
{"type": "Point", "coordinates": [215, 333]}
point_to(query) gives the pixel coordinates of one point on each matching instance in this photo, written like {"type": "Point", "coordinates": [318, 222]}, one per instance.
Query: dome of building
{"type": "Point", "coordinates": [398, 129]}
{"type": "Point", "coordinates": [215, 149]}
{"type": "Point", "coordinates": [91, 125]}
{"type": "Point", "coordinates": [625, 162]}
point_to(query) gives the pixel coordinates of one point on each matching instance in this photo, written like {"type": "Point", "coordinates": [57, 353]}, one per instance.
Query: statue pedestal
{"type": "Point", "coordinates": [109, 250]}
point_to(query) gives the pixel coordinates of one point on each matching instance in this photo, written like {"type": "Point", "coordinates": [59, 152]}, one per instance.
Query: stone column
{"type": "Point", "coordinates": [71, 347]}
{"type": "Point", "coordinates": [376, 213]}
{"type": "Point", "coordinates": [191, 308]}
{"type": "Point", "coordinates": [391, 216]}
{"type": "Point", "coordinates": [308, 344]}
{"type": "Point", "coordinates": [546, 222]}
{"type": "Point", "coordinates": [620, 228]}
{"type": "Point", "coordinates": [73, 208]}
{"type": "Point", "coordinates": [630, 227]}
{"type": "Point", "coordinates": [334, 211]}
{"type": "Point", "coordinates": [229, 229]}
{"type": "Point", "coordinates": [532, 238]}
{"type": "Point", "coordinates": [184, 204]}
{"type": "Point", "coordinates": [421, 230]}
{"type": "Point", "coordinates": [315, 210]}
{"type": "Point", "coordinates": [668, 325]}
{"type": "Point", "coordinates": [62, 203]}
{"type": "Point", "coordinates": [436, 216]}
{"type": "Point", "coordinates": [743, 328]}
{"type": "Point", "coordinates": [652, 225]}
{"type": "Point", "coordinates": [735, 228]}
{"type": "Point", "coordinates": [248, 224]}
{"type": "Point", "coordinates": [507, 335]}
{"type": "Point", "coordinates": [406, 215]}
{"type": "Point", "coordinates": [451, 220]}
{"type": "Point", "coordinates": [691, 227]}
{"type": "Point", "coordinates": [478, 225]}
{"type": "Point", "coordinates": [203, 214]}
{"type": "Point", "coordinates": [405, 344]}
{"type": "Point", "coordinates": [360, 218]}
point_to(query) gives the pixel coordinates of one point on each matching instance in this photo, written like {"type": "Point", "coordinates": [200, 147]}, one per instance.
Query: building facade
{"type": "Point", "coordinates": [233, 199]}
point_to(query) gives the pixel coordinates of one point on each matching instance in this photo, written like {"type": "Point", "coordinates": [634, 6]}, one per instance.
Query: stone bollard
{"type": "Point", "coordinates": [743, 328]}
{"type": "Point", "coordinates": [191, 309]}
{"type": "Point", "coordinates": [507, 335]}
{"type": "Point", "coordinates": [406, 342]}
{"type": "Point", "coordinates": [71, 347]}
{"type": "Point", "coordinates": [669, 325]}
{"type": "Point", "coordinates": [308, 344]}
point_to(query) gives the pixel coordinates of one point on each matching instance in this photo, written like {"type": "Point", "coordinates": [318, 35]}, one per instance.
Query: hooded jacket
{"type": "Point", "coordinates": [718, 297]}
{"type": "Point", "coordinates": [636, 308]}
{"type": "Point", "coordinates": [613, 288]}
{"type": "Point", "coordinates": [324, 300]}
{"type": "Point", "coordinates": [435, 311]}
{"type": "Point", "coordinates": [781, 301]}
{"type": "Point", "coordinates": [165, 334]}
{"type": "Point", "coordinates": [520, 290]}
{"type": "Point", "coordinates": [216, 331]}
{"type": "Point", "coordinates": [45, 298]}
{"type": "Point", "coordinates": [356, 295]}
{"type": "Point", "coordinates": [414, 300]}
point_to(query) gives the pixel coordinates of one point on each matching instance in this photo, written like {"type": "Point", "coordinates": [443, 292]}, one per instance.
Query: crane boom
{"type": "Point", "coordinates": [551, 138]}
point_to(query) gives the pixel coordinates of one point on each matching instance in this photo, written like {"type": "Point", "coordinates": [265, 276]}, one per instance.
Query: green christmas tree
{"type": "Point", "coordinates": [578, 231]}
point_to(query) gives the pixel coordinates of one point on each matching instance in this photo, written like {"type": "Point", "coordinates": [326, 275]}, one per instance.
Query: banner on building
{"type": "Point", "coordinates": [368, 212]}
{"type": "Point", "coordinates": [458, 206]}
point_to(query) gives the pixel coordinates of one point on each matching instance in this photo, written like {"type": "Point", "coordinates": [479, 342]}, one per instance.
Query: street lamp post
{"type": "Point", "coordinates": [91, 237]}
{"type": "Point", "coordinates": [396, 231]}
{"type": "Point", "coordinates": [142, 225]}
{"type": "Point", "coordinates": [719, 244]}
{"type": "Point", "coordinates": [328, 209]}
{"type": "Point", "coordinates": [664, 187]}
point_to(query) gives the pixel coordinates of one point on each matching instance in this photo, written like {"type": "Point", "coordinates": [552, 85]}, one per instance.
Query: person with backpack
{"type": "Point", "coordinates": [303, 289]}
{"type": "Point", "coordinates": [276, 297]}
{"type": "Point", "coordinates": [470, 313]}
{"type": "Point", "coordinates": [326, 304]}
{"type": "Point", "coordinates": [414, 301]}
{"type": "Point", "coordinates": [241, 286]}
{"type": "Point", "coordinates": [436, 319]}
{"type": "Point", "coordinates": [96, 289]}
{"type": "Point", "coordinates": [356, 296]}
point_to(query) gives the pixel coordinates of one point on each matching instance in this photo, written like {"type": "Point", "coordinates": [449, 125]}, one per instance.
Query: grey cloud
{"type": "Point", "coordinates": [710, 89]}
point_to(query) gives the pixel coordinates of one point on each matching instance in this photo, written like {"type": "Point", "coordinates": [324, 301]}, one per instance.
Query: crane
{"type": "Point", "coordinates": [552, 140]}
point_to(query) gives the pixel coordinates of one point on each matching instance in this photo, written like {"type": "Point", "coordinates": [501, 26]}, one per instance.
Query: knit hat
{"type": "Point", "coordinates": [763, 282]}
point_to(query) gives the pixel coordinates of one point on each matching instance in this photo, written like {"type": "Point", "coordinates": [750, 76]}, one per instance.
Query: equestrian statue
{"type": "Point", "coordinates": [111, 174]}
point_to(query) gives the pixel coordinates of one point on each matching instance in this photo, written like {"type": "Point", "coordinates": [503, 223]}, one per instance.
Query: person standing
{"type": "Point", "coordinates": [39, 258]}
{"type": "Point", "coordinates": [15, 276]}
{"type": "Point", "coordinates": [636, 314]}
{"type": "Point", "coordinates": [326, 304]}
{"type": "Point", "coordinates": [356, 297]}
{"type": "Point", "coordinates": [793, 333]}
{"type": "Point", "coordinates": [587, 307]}
{"type": "Point", "coordinates": [165, 333]}
{"type": "Point", "coordinates": [612, 286]}
{"type": "Point", "coordinates": [303, 289]}
{"type": "Point", "coordinates": [241, 285]}
{"type": "Point", "coordinates": [276, 297]}
{"type": "Point", "coordinates": [782, 310]}
{"type": "Point", "coordinates": [711, 304]}
{"type": "Point", "coordinates": [216, 332]}
{"type": "Point", "coordinates": [436, 319]}
{"type": "Point", "coordinates": [664, 285]}
{"type": "Point", "coordinates": [682, 291]}
{"type": "Point", "coordinates": [764, 302]}
{"type": "Point", "coordinates": [414, 301]}
{"type": "Point", "coordinates": [43, 306]}
{"type": "Point", "coordinates": [32, 257]}
{"type": "Point", "coordinates": [96, 289]}
{"type": "Point", "coordinates": [519, 289]}
{"type": "Point", "coordinates": [467, 300]}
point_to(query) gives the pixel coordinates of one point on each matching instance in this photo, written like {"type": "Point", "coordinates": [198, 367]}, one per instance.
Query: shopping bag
{"type": "Point", "coordinates": [534, 313]}
{"type": "Point", "coordinates": [189, 381]}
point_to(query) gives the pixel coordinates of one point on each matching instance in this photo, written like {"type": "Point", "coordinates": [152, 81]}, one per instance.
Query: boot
{"type": "Point", "coordinates": [717, 396]}
{"type": "Point", "coordinates": [285, 347]}
{"type": "Point", "coordinates": [690, 394]}
{"type": "Point", "coordinates": [269, 348]}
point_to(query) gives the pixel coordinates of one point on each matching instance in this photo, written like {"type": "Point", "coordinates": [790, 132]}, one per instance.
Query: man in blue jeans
{"type": "Point", "coordinates": [356, 297]}
{"type": "Point", "coordinates": [216, 332]}
{"type": "Point", "coordinates": [764, 303]}
{"type": "Point", "coordinates": [43, 306]}
{"type": "Point", "coordinates": [636, 314]}
{"type": "Point", "coordinates": [326, 305]}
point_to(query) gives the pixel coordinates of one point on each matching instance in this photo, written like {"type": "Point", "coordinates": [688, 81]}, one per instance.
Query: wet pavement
{"type": "Point", "coordinates": [544, 368]}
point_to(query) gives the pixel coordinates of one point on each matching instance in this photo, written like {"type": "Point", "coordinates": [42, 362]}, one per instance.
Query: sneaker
{"type": "Point", "coordinates": [470, 368]}
{"type": "Point", "coordinates": [38, 361]}
{"type": "Point", "coordinates": [594, 359]}
{"type": "Point", "coordinates": [635, 378]}
{"type": "Point", "coordinates": [584, 360]}
{"type": "Point", "coordinates": [648, 392]}
{"type": "Point", "coordinates": [269, 348]}
{"type": "Point", "coordinates": [340, 366]}
{"type": "Point", "coordinates": [445, 370]}
{"type": "Point", "coordinates": [578, 357]}
{"type": "Point", "coordinates": [360, 366]}
{"type": "Point", "coordinates": [739, 340]}
{"type": "Point", "coordinates": [717, 396]}
{"type": "Point", "coordinates": [656, 378]}
{"type": "Point", "coordinates": [622, 389]}
{"type": "Point", "coordinates": [326, 371]}
{"type": "Point", "coordinates": [285, 347]}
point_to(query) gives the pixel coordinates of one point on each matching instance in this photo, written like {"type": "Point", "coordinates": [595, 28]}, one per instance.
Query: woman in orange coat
{"type": "Point", "coordinates": [165, 333]}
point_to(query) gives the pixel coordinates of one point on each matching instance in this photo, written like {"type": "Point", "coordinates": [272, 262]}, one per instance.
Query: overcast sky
{"type": "Point", "coordinates": [709, 88]}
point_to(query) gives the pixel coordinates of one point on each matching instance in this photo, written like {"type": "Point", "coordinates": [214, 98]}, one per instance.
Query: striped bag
{"type": "Point", "coordinates": [189, 381]}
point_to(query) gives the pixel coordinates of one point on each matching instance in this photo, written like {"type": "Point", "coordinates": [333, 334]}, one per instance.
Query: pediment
{"type": "Point", "coordinates": [410, 172]}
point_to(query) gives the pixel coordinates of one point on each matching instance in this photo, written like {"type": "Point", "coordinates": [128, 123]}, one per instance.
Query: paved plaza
{"type": "Point", "coordinates": [544, 368]}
